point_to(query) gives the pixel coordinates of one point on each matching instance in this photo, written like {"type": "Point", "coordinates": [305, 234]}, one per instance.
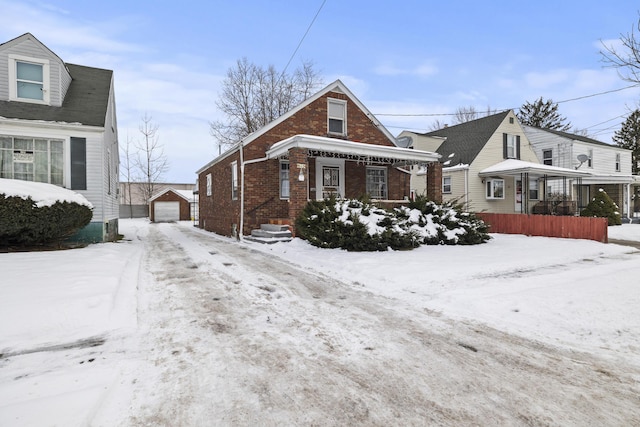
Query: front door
{"type": "Point", "coordinates": [329, 178]}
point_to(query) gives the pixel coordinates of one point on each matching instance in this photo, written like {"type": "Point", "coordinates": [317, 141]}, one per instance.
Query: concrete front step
{"type": "Point", "coordinates": [270, 233]}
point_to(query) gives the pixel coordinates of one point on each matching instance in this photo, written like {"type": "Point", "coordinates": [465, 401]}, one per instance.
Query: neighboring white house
{"type": "Point", "coordinates": [58, 125]}
{"type": "Point", "coordinates": [609, 165]}
{"type": "Point", "coordinates": [488, 164]}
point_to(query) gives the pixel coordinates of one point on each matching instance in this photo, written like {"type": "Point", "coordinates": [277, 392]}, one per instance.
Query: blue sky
{"type": "Point", "coordinates": [403, 58]}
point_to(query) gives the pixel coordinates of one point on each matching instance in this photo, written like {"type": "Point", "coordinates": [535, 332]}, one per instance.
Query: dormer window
{"type": "Point", "coordinates": [29, 79]}
{"type": "Point", "coordinates": [337, 117]}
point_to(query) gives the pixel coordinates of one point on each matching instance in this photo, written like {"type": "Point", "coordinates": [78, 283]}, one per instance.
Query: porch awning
{"type": "Point", "coordinates": [513, 167]}
{"type": "Point", "coordinates": [319, 146]}
{"type": "Point", "coordinates": [608, 179]}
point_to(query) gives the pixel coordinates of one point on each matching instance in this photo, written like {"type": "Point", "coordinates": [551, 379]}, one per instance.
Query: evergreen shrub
{"type": "Point", "coordinates": [358, 225]}
{"type": "Point", "coordinates": [23, 223]}
{"type": "Point", "coordinates": [602, 206]}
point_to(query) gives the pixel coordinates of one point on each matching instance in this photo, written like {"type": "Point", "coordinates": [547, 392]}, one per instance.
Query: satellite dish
{"type": "Point", "coordinates": [404, 141]}
{"type": "Point", "coordinates": [582, 158]}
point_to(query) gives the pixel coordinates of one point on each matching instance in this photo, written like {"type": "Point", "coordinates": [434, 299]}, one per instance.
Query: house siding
{"type": "Point", "coordinates": [491, 154]}
{"type": "Point", "coordinates": [59, 78]}
{"type": "Point", "coordinates": [220, 214]}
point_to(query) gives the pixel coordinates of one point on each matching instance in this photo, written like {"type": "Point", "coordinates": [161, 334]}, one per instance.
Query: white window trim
{"type": "Point", "coordinates": [550, 158]}
{"type": "Point", "coordinates": [444, 184]}
{"type": "Point", "coordinates": [590, 159]}
{"type": "Point", "coordinates": [344, 119]}
{"type": "Point", "coordinates": [209, 185]}
{"type": "Point", "coordinates": [280, 179]}
{"type": "Point", "coordinates": [492, 195]}
{"type": "Point", "coordinates": [533, 187]}
{"type": "Point", "coordinates": [234, 180]}
{"type": "Point", "coordinates": [386, 180]}
{"type": "Point", "coordinates": [617, 162]}
{"type": "Point", "coordinates": [512, 142]}
{"type": "Point", "coordinates": [13, 79]}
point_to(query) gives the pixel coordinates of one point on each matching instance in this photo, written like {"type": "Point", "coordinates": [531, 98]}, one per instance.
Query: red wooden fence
{"type": "Point", "coordinates": [571, 227]}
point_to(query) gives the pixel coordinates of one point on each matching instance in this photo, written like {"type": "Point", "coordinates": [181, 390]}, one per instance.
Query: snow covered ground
{"type": "Point", "coordinates": [574, 294]}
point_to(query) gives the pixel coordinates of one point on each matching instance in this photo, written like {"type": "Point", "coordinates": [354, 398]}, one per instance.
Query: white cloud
{"type": "Point", "coordinates": [421, 70]}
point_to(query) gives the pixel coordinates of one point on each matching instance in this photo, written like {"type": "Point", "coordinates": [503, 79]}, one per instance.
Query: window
{"type": "Point", "coordinates": [511, 146]}
{"type": "Point", "coordinates": [284, 179]}
{"type": "Point", "coordinates": [547, 157]}
{"type": "Point", "coordinates": [446, 184]}
{"type": "Point", "coordinates": [590, 160]}
{"type": "Point", "coordinates": [234, 180]}
{"type": "Point", "coordinates": [78, 163]}
{"type": "Point", "coordinates": [495, 188]}
{"type": "Point", "coordinates": [32, 159]}
{"type": "Point", "coordinates": [533, 189]}
{"type": "Point", "coordinates": [337, 116]}
{"type": "Point", "coordinates": [209, 185]}
{"type": "Point", "coordinates": [29, 79]}
{"type": "Point", "coordinates": [617, 162]}
{"type": "Point", "coordinates": [377, 182]}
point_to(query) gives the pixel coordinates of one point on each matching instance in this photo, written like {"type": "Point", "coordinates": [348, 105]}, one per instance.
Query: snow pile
{"type": "Point", "coordinates": [42, 194]}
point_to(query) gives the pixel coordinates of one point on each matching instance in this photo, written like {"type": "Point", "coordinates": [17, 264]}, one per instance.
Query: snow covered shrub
{"type": "Point", "coordinates": [24, 223]}
{"type": "Point", "coordinates": [357, 225]}
{"type": "Point", "coordinates": [446, 224]}
{"type": "Point", "coordinates": [602, 206]}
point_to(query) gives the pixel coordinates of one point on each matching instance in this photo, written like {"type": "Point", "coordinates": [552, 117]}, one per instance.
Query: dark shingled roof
{"type": "Point", "coordinates": [86, 100]}
{"type": "Point", "coordinates": [467, 139]}
{"type": "Point", "coordinates": [577, 137]}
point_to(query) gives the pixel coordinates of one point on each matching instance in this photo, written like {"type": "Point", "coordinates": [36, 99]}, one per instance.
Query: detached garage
{"type": "Point", "coordinates": [171, 205]}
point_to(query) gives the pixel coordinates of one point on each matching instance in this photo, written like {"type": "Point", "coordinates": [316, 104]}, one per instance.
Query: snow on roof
{"type": "Point", "coordinates": [185, 194]}
{"type": "Point", "coordinates": [513, 167]}
{"type": "Point", "coordinates": [42, 194]}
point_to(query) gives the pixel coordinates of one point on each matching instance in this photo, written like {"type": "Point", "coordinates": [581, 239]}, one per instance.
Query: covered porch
{"type": "Point", "coordinates": [316, 167]}
{"type": "Point", "coordinates": [533, 181]}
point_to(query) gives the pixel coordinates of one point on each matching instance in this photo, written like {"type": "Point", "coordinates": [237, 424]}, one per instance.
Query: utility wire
{"type": "Point", "coordinates": [504, 109]}
{"type": "Point", "coordinates": [303, 37]}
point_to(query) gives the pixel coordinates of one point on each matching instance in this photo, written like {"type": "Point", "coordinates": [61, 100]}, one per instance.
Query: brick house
{"type": "Point", "coordinates": [170, 205]}
{"type": "Point", "coordinates": [329, 144]}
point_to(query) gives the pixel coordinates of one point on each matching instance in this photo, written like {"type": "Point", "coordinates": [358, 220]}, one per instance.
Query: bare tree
{"type": "Point", "coordinates": [151, 160]}
{"type": "Point", "coordinates": [437, 125]}
{"type": "Point", "coordinates": [465, 114]}
{"type": "Point", "coordinates": [627, 57]}
{"type": "Point", "coordinates": [127, 171]}
{"type": "Point", "coordinates": [253, 96]}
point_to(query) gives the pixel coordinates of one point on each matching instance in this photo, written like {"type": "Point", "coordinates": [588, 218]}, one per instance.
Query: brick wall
{"type": "Point", "coordinates": [218, 212]}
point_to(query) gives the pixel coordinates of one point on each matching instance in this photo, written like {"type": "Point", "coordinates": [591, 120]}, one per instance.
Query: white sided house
{"type": "Point", "coordinates": [489, 165]}
{"type": "Point", "coordinates": [58, 126]}
{"type": "Point", "coordinates": [609, 166]}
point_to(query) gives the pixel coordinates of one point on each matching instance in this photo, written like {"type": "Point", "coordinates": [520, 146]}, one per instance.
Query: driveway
{"type": "Point", "coordinates": [230, 336]}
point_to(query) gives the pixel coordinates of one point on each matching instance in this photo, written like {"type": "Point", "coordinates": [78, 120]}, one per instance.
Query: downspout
{"type": "Point", "coordinates": [240, 231]}
{"type": "Point", "coordinates": [629, 211]}
{"type": "Point", "coordinates": [242, 165]}
{"type": "Point", "coordinates": [466, 189]}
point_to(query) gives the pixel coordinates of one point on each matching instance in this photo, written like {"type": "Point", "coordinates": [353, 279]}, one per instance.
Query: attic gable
{"type": "Point", "coordinates": [464, 142]}
{"type": "Point", "coordinates": [27, 61]}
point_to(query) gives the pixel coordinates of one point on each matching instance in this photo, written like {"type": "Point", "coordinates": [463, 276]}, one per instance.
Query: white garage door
{"type": "Point", "coordinates": [166, 211]}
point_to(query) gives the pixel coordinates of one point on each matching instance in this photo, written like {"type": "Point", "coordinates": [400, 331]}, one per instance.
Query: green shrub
{"type": "Point", "coordinates": [357, 225]}
{"type": "Point", "coordinates": [602, 206]}
{"type": "Point", "coordinates": [23, 223]}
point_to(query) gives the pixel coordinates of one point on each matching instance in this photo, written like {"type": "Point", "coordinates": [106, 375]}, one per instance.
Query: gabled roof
{"type": "Point", "coordinates": [185, 194]}
{"type": "Point", "coordinates": [86, 100]}
{"type": "Point", "coordinates": [576, 137]}
{"type": "Point", "coordinates": [30, 36]}
{"type": "Point", "coordinates": [465, 141]}
{"type": "Point", "coordinates": [336, 86]}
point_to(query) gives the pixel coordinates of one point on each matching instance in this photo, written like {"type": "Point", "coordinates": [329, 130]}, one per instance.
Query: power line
{"type": "Point", "coordinates": [503, 109]}
{"type": "Point", "coordinates": [303, 37]}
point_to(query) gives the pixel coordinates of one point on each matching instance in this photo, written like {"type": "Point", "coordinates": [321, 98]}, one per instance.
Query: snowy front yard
{"type": "Point", "coordinates": [57, 308]}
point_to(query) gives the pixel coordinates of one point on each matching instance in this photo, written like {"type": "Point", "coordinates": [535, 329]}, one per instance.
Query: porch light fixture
{"type": "Point", "coordinates": [302, 167]}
